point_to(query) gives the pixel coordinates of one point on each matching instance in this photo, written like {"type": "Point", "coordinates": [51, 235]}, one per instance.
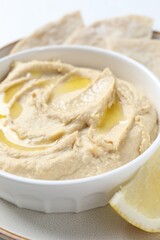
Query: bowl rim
{"type": "Point", "coordinates": [152, 148]}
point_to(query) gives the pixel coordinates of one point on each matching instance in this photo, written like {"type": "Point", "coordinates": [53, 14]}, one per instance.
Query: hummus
{"type": "Point", "coordinates": [58, 121]}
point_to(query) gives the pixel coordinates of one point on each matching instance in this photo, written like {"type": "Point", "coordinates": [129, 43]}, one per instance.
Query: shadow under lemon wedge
{"type": "Point", "coordinates": [138, 201]}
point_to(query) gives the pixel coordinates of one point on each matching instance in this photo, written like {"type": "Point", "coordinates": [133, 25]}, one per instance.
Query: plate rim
{"type": "Point", "coordinates": [9, 44]}
{"type": "Point", "coordinates": [11, 235]}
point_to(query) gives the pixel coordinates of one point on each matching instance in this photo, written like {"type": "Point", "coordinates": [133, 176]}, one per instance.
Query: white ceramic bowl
{"type": "Point", "coordinates": [87, 193]}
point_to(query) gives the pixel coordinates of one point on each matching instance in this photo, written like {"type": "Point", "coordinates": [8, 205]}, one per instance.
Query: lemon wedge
{"type": "Point", "coordinates": [138, 201]}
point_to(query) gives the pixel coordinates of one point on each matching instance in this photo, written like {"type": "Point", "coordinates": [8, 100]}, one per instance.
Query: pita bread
{"type": "Point", "coordinates": [131, 26]}
{"type": "Point", "coordinates": [128, 26]}
{"type": "Point", "coordinates": [52, 33]}
{"type": "Point", "coordinates": [87, 36]}
{"type": "Point", "coordinates": [145, 51]}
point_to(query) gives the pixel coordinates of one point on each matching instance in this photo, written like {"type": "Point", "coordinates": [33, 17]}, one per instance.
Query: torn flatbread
{"type": "Point", "coordinates": [145, 51]}
{"type": "Point", "coordinates": [131, 26]}
{"type": "Point", "coordinates": [87, 36]}
{"type": "Point", "coordinates": [52, 33]}
{"type": "Point", "coordinates": [127, 26]}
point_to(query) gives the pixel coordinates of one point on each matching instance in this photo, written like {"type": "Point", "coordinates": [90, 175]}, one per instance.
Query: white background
{"type": "Point", "coordinates": [19, 18]}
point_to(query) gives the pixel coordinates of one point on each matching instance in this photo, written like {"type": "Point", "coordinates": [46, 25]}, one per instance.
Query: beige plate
{"type": "Point", "coordinates": [4, 51]}
{"type": "Point", "coordinates": [101, 223]}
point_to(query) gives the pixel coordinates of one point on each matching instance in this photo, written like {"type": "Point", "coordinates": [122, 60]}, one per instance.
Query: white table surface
{"type": "Point", "coordinates": [19, 18]}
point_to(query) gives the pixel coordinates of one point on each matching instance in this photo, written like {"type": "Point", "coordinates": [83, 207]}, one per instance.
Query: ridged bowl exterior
{"type": "Point", "coordinates": [88, 193]}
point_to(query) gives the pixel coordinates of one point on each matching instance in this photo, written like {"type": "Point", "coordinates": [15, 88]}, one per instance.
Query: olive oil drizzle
{"type": "Point", "coordinates": [111, 117]}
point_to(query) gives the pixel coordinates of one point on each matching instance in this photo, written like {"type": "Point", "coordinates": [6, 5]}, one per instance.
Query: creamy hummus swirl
{"type": "Point", "coordinates": [58, 121]}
